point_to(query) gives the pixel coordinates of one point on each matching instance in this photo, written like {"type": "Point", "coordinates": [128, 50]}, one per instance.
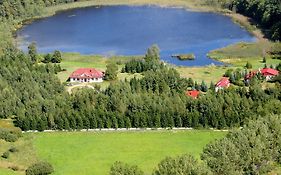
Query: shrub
{"type": "Point", "coordinates": [9, 135]}
{"type": "Point", "coordinates": [6, 155]}
{"type": "Point", "coordinates": [41, 168]}
{"type": "Point", "coordinates": [13, 149]}
{"type": "Point", "coordinates": [184, 164]}
{"type": "Point", "coordinates": [14, 168]}
{"type": "Point", "coordinates": [249, 65]}
{"type": "Point", "coordinates": [119, 168]}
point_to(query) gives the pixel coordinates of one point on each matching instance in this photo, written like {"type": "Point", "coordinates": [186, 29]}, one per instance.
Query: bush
{"type": "Point", "coordinates": [184, 164]}
{"type": "Point", "coordinates": [249, 65]}
{"type": "Point", "coordinates": [120, 168]}
{"type": "Point", "coordinates": [13, 149]}
{"type": "Point", "coordinates": [14, 168]}
{"type": "Point", "coordinates": [41, 168]}
{"type": "Point", "coordinates": [6, 155]}
{"type": "Point", "coordinates": [9, 135]}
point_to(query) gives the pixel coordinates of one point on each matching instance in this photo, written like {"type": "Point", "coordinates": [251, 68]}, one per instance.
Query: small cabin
{"type": "Point", "coordinates": [222, 84]}
{"type": "Point", "coordinates": [193, 93]}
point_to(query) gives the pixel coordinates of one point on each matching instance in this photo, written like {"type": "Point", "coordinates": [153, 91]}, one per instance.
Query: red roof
{"type": "Point", "coordinates": [251, 75]}
{"type": "Point", "coordinates": [224, 82]}
{"type": "Point", "coordinates": [87, 73]}
{"type": "Point", "coordinates": [269, 72]}
{"type": "Point", "coordinates": [193, 93]}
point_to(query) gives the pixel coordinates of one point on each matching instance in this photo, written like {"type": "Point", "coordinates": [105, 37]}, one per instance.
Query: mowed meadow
{"type": "Point", "coordinates": [88, 153]}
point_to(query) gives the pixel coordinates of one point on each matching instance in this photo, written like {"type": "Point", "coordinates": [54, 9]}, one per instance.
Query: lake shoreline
{"type": "Point", "coordinates": [239, 19]}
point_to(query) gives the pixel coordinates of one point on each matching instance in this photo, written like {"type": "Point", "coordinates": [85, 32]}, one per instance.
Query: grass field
{"type": "Point", "coordinates": [7, 172]}
{"type": "Point", "coordinates": [238, 54]}
{"type": "Point", "coordinates": [94, 153]}
{"type": "Point", "coordinates": [207, 73]}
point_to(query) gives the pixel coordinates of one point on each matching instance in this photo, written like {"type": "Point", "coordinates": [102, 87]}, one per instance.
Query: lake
{"type": "Point", "coordinates": [130, 30]}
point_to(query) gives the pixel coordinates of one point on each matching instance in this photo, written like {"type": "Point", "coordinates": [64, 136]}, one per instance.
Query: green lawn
{"type": "Point", "coordinates": [24, 157]}
{"type": "Point", "coordinates": [8, 172]}
{"type": "Point", "coordinates": [207, 73]}
{"type": "Point", "coordinates": [93, 153]}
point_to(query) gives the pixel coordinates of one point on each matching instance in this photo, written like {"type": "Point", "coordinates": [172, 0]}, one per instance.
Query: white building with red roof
{"type": "Point", "coordinates": [269, 73]}
{"type": "Point", "coordinates": [89, 75]}
{"type": "Point", "coordinates": [222, 84]}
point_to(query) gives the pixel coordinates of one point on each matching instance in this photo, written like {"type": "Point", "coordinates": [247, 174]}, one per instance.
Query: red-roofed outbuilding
{"type": "Point", "coordinates": [250, 75]}
{"type": "Point", "coordinates": [269, 73]}
{"type": "Point", "coordinates": [223, 83]}
{"type": "Point", "coordinates": [86, 75]}
{"type": "Point", "coordinates": [193, 93]}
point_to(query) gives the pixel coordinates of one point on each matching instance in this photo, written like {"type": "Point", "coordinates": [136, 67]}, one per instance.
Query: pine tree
{"type": "Point", "coordinates": [56, 58]}
{"type": "Point", "coordinates": [248, 65]}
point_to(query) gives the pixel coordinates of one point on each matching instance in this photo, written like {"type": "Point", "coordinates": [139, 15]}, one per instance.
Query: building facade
{"type": "Point", "coordinates": [87, 75]}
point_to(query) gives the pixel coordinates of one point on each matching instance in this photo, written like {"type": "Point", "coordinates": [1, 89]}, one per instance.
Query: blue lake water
{"type": "Point", "coordinates": [130, 30]}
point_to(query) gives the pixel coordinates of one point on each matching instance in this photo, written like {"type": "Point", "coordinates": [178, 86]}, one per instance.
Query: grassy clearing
{"type": "Point", "coordinates": [8, 172]}
{"type": "Point", "coordinates": [208, 73]}
{"type": "Point", "coordinates": [24, 157]}
{"type": "Point", "coordinates": [73, 61]}
{"type": "Point", "coordinates": [94, 153]}
{"type": "Point", "coordinates": [7, 123]}
{"type": "Point", "coordinates": [239, 54]}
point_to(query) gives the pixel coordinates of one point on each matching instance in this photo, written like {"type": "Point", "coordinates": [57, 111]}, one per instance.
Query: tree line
{"type": "Point", "coordinates": [15, 12]}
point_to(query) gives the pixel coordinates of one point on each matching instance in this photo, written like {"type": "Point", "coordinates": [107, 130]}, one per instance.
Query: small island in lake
{"type": "Point", "coordinates": [189, 56]}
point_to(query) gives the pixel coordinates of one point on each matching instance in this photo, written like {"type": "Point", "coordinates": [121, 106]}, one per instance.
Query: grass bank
{"type": "Point", "coordinates": [94, 153]}
{"type": "Point", "coordinates": [20, 159]}
{"type": "Point", "coordinates": [199, 5]}
{"type": "Point", "coordinates": [241, 53]}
